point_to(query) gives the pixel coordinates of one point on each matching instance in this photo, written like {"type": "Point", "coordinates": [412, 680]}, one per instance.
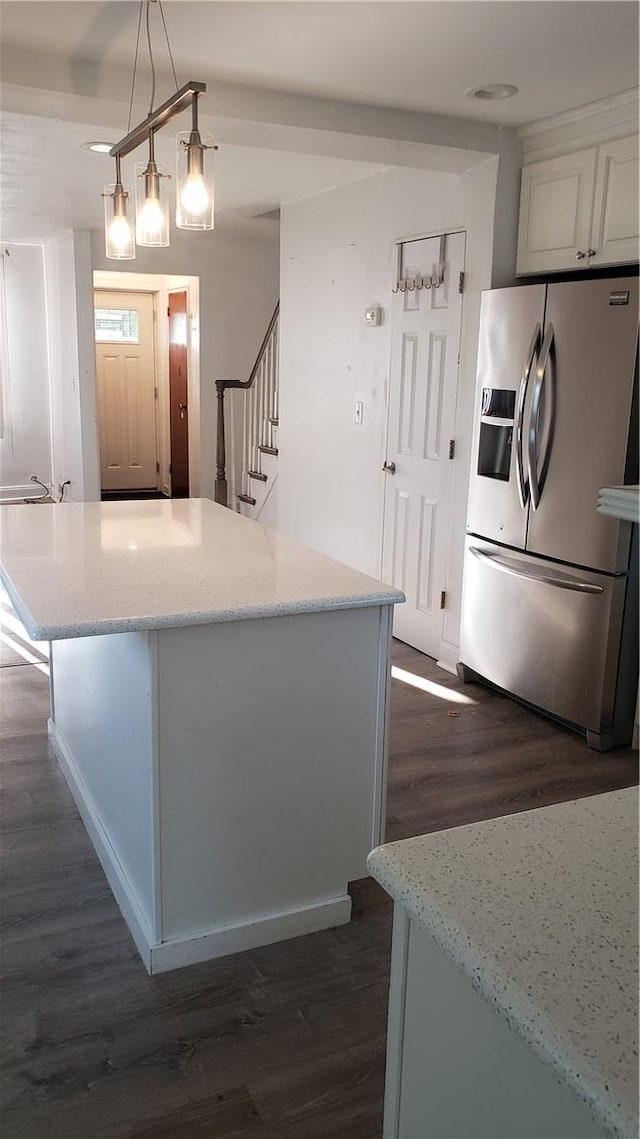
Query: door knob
{"type": "Point", "coordinates": [390, 468]}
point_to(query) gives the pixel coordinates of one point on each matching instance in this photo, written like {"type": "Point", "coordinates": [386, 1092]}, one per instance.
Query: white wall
{"type": "Point", "coordinates": [337, 258]}
{"type": "Point", "coordinates": [238, 272]}
{"type": "Point", "coordinates": [69, 289]}
{"type": "Point", "coordinates": [25, 446]}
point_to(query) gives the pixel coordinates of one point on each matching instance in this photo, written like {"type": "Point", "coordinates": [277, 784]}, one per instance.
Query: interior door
{"type": "Point", "coordinates": [425, 347]}
{"type": "Point", "coordinates": [126, 382]}
{"type": "Point", "coordinates": [178, 402]}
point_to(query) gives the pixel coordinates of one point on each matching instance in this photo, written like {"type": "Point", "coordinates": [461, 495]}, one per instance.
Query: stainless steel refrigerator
{"type": "Point", "coordinates": [549, 611]}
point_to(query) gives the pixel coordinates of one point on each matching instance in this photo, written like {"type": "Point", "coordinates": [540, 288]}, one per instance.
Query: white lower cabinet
{"type": "Point", "coordinates": [580, 210]}
{"type": "Point", "coordinates": [455, 1069]}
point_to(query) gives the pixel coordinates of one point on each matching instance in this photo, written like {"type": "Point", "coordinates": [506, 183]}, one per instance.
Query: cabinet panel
{"type": "Point", "coordinates": [615, 229]}
{"type": "Point", "coordinates": [454, 1066]}
{"type": "Point", "coordinates": [555, 212]}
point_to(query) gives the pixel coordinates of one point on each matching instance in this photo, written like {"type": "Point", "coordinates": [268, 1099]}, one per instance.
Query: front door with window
{"type": "Point", "coordinates": [125, 369]}
{"type": "Point", "coordinates": [425, 348]}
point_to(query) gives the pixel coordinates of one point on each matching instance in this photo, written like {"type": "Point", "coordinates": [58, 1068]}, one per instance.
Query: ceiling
{"type": "Point", "coordinates": [416, 56]}
{"type": "Point", "coordinates": [421, 56]}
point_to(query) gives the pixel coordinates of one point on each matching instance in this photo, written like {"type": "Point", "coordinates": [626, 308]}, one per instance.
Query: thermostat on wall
{"type": "Point", "coordinates": [373, 316]}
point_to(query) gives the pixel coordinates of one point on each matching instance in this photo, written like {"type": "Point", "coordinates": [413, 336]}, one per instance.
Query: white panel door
{"type": "Point", "coordinates": [425, 347]}
{"type": "Point", "coordinates": [125, 369]}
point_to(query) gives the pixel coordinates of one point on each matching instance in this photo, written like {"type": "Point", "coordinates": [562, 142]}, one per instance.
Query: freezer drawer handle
{"type": "Point", "coordinates": [509, 566]}
{"type": "Point", "coordinates": [523, 484]}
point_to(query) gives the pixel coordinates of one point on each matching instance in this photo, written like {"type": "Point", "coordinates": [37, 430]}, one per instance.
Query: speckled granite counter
{"type": "Point", "coordinates": [620, 502]}
{"type": "Point", "coordinates": [540, 910]}
{"type": "Point", "coordinates": [80, 569]}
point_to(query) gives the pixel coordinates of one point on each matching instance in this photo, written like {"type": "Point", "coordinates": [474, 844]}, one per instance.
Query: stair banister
{"type": "Point", "coordinates": [221, 492]}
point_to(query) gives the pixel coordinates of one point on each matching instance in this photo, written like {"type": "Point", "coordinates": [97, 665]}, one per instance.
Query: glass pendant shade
{"type": "Point", "coordinates": [152, 210]}
{"type": "Point", "coordinates": [120, 243]}
{"type": "Point", "coordinates": [194, 191]}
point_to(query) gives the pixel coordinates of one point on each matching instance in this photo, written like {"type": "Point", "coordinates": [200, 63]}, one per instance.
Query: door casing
{"type": "Point", "coordinates": [126, 399]}
{"type": "Point", "coordinates": [425, 359]}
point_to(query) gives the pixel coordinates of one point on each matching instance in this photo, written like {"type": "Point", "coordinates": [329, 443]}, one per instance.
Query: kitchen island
{"type": "Point", "coordinates": [219, 709]}
{"type": "Point", "coordinates": [513, 1011]}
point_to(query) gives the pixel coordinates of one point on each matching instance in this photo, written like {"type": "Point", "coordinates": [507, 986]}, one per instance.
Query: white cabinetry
{"type": "Point", "coordinates": [580, 209]}
{"type": "Point", "coordinates": [614, 230]}
{"type": "Point", "coordinates": [454, 1066]}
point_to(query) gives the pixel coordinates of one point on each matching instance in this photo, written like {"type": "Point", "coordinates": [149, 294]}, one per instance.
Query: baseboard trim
{"type": "Point", "coordinates": [250, 933]}
{"type": "Point", "coordinates": [123, 892]}
{"type": "Point", "coordinates": [189, 949]}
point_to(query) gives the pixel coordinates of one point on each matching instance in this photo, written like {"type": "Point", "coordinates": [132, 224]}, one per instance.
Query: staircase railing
{"type": "Point", "coordinates": [260, 410]}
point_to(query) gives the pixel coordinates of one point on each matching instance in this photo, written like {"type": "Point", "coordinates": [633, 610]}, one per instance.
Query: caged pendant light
{"type": "Point", "coordinates": [194, 198]}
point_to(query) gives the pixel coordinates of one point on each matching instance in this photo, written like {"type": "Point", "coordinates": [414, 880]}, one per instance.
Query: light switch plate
{"type": "Point", "coordinates": [359, 412]}
{"type": "Point", "coordinates": [373, 316]}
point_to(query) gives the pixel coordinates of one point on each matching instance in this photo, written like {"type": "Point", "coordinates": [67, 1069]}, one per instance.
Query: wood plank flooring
{"type": "Point", "coordinates": [284, 1042]}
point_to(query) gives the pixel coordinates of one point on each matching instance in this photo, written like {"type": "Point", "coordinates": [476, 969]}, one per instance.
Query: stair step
{"type": "Point", "coordinates": [267, 450]}
{"type": "Point", "coordinates": [274, 421]}
{"type": "Point", "coordinates": [246, 498]}
{"type": "Point", "coordinates": [257, 475]}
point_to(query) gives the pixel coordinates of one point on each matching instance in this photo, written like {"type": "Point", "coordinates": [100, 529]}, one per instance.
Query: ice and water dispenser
{"type": "Point", "coordinates": [496, 432]}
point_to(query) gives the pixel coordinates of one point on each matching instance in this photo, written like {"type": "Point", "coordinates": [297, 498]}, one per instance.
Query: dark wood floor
{"type": "Point", "coordinates": [284, 1042]}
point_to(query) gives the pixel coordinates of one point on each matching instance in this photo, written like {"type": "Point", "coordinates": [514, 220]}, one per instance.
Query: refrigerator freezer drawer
{"type": "Point", "coordinates": [547, 633]}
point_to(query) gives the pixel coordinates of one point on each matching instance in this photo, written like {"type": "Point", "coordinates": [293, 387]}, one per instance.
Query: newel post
{"type": "Point", "coordinates": [221, 478]}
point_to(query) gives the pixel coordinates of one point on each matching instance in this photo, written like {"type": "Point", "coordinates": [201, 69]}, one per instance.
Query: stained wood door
{"type": "Point", "coordinates": [178, 401]}
{"type": "Point", "coordinates": [126, 383]}
{"type": "Point", "coordinates": [425, 347]}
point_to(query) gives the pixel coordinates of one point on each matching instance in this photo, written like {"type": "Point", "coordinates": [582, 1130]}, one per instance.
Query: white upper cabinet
{"type": "Point", "coordinates": [579, 193]}
{"type": "Point", "coordinates": [580, 209]}
{"type": "Point", "coordinates": [556, 205]}
{"type": "Point", "coordinates": [615, 228]}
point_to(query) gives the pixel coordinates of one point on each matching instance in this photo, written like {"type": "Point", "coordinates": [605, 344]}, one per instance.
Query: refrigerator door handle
{"type": "Point", "coordinates": [523, 483]}
{"type": "Point", "coordinates": [545, 370]}
{"type": "Point", "coordinates": [507, 565]}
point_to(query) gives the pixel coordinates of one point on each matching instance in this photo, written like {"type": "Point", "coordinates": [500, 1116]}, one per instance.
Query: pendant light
{"type": "Point", "coordinates": [152, 213]}
{"type": "Point", "coordinates": [120, 242]}
{"type": "Point", "coordinates": [194, 189]}
{"type": "Point", "coordinates": [194, 207]}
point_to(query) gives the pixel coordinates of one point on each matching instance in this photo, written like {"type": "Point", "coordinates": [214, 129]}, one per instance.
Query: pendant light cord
{"type": "Point", "coordinates": [164, 24]}
{"type": "Point", "coordinates": [145, 4]}
{"type": "Point", "coordinates": [135, 66]}
{"type": "Point", "coordinates": [153, 70]}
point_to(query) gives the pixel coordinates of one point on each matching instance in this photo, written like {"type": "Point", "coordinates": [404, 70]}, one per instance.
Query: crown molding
{"type": "Point", "coordinates": [613, 117]}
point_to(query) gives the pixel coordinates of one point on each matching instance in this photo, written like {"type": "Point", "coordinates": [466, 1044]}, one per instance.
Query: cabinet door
{"type": "Point", "coordinates": [614, 235]}
{"type": "Point", "coordinates": [555, 212]}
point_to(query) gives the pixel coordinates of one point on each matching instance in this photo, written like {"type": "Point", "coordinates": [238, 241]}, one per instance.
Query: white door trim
{"type": "Point", "coordinates": [442, 646]}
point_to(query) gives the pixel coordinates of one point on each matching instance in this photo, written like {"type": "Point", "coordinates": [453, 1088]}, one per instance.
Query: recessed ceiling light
{"type": "Point", "coordinates": [98, 147]}
{"type": "Point", "coordinates": [492, 91]}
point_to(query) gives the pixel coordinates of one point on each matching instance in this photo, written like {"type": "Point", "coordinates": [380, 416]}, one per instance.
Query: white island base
{"type": "Point", "coordinates": [231, 775]}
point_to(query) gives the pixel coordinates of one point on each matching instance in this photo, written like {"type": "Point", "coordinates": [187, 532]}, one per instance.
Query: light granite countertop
{"type": "Point", "coordinates": [540, 910]}
{"type": "Point", "coordinates": [620, 502]}
{"type": "Point", "coordinates": [82, 569]}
